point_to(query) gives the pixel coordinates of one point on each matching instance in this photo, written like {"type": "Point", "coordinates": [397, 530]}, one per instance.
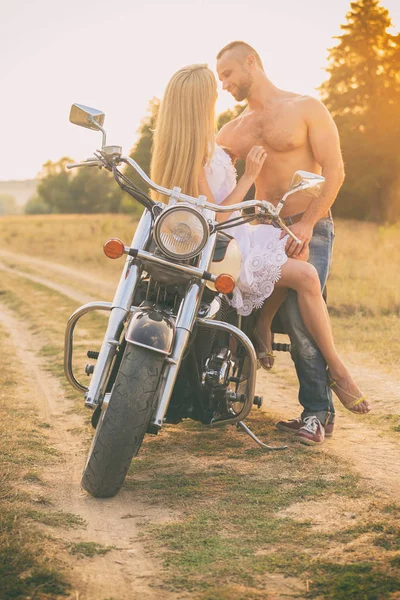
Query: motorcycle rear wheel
{"type": "Point", "coordinates": [122, 425]}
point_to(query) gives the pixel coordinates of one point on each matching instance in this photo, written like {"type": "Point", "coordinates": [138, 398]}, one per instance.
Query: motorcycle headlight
{"type": "Point", "coordinates": [181, 232]}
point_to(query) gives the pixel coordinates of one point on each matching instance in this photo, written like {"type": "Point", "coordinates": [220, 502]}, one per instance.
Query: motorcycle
{"type": "Point", "coordinates": [173, 347]}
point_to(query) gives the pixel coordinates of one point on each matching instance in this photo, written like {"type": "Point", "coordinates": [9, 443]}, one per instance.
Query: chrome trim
{"type": "Point", "coordinates": [69, 340]}
{"type": "Point", "coordinates": [100, 128]}
{"type": "Point", "coordinates": [251, 381]}
{"type": "Point", "coordinates": [193, 271]}
{"type": "Point", "coordinates": [106, 401]}
{"type": "Point", "coordinates": [263, 205]}
{"type": "Point", "coordinates": [212, 309]}
{"type": "Point", "coordinates": [148, 347]}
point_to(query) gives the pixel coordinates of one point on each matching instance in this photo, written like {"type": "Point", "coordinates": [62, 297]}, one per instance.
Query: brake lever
{"type": "Point", "coordinates": [278, 220]}
{"type": "Point", "coordinates": [273, 214]}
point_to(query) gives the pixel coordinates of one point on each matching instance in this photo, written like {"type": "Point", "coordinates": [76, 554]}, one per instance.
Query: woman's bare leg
{"type": "Point", "coordinates": [264, 322]}
{"type": "Point", "coordinates": [303, 278]}
{"type": "Point", "coordinates": [269, 310]}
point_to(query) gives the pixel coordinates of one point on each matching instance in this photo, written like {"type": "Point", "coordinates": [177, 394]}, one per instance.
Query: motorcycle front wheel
{"type": "Point", "coordinates": [122, 425]}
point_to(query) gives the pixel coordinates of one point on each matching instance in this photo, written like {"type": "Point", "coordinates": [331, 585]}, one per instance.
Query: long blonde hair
{"type": "Point", "coordinates": [185, 129]}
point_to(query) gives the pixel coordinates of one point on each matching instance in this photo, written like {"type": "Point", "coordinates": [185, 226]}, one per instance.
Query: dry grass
{"type": "Point", "coordinates": [72, 240]}
{"type": "Point", "coordinates": [364, 277]}
{"type": "Point", "coordinates": [364, 292]}
{"type": "Point", "coordinates": [29, 567]}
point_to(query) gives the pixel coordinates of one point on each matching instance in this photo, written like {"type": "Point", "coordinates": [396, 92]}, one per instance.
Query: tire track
{"type": "Point", "coordinates": [57, 287]}
{"type": "Point", "coordinates": [107, 289]}
{"type": "Point", "coordinates": [126, 572]}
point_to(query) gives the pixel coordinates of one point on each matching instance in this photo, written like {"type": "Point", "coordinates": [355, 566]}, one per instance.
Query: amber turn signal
{"type": "Point", "coordinates": [114, 248]}
{"type": "Point", "coordinates": [224, 283]}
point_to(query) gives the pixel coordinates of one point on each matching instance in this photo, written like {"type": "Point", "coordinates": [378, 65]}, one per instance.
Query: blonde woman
{"type": "Point", "coordinates": [185, 155]}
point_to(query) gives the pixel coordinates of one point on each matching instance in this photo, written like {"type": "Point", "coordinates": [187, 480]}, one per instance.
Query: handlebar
{"type": "Point", "coordinates": [266, 206]}
{"type": "Point", "coordinates": [263, 206]}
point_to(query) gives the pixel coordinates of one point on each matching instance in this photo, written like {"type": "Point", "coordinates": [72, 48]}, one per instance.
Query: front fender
{"type": "Point", "coordinates": [151, 329]}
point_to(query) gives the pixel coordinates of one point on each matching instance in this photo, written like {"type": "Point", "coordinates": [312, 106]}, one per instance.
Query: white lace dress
{"type": "Point", "coordinates": [263, 252]}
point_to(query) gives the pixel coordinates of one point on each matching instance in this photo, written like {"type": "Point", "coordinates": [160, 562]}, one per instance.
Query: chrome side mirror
{"type": "Point", "coordinates": [310, 182]}
{"type": "Point", "coordinates": [91, 118]}
{"type": "Point", "coordinates": [302, 180]}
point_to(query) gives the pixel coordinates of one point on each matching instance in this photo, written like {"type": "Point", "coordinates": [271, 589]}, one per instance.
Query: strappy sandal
{"type": "Point", "coordinates": [340, 392]}
{"type": "Point", "coordinates": [264, 353]}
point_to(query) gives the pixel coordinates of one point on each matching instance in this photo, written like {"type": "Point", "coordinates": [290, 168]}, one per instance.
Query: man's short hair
{"type": "Point", "coordinates": [242, 50]}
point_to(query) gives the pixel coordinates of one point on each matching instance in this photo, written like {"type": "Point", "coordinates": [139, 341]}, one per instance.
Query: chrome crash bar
{"type": "Point", "coordinates": [69, 340]}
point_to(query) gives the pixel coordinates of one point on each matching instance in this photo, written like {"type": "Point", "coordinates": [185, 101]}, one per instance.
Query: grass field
{"type": "Point", "coordinates": [363, 289]}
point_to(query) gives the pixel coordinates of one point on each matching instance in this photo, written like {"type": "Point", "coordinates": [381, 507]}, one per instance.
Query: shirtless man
{"type": "Point", "coordinates": [297, 132]}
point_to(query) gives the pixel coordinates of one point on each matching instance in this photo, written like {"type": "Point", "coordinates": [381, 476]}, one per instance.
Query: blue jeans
{"type": "Point", "coordinates": [315, 395]}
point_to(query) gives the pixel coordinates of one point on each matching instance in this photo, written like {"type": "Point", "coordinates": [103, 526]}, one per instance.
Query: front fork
{"type": "Point", "coordinates": [185, 322]}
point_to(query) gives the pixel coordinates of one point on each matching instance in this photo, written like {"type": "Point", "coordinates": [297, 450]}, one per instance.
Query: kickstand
{"type": "Point", "coordinates": [255, 438]}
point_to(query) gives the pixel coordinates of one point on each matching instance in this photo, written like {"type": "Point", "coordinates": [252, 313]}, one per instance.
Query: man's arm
{"type": "Point", "coordinates": [325, 145]}
{"type": "Point", "coordinates": [223, 137]}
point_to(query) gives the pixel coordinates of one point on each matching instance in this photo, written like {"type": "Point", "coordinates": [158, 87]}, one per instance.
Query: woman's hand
{"type": "Point", "coordinates": [254, 162]}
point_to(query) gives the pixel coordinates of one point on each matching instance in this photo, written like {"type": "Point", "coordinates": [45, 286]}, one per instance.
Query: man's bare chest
{"type": "Point", "coordinates": [278, 131]}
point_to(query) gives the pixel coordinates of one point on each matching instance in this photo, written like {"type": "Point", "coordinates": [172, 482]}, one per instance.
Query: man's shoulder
{"type": "Point", "coordinates": [302, 101]}
{"type": "Point", "coordinates": [308, 105]}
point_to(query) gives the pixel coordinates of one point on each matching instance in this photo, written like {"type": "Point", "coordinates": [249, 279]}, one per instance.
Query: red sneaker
{"type": "Point", "coordinates": [312, 432]}
{"type": "Point", "coordinates": [293, 426]}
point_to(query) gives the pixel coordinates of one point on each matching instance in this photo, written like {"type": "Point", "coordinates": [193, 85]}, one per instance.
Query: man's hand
{"type": "Point", "coordinates": [303, 231]}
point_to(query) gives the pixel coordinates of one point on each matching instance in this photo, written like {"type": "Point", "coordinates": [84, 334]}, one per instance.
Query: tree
{"type": "Point", "coordinates": [87, 190]}
{"type": "Point", "coordinates": [363, 95]}
{"type": "Point", "coordinates": [141, 151]}
{"type": "Point", "coordinates": [53, 191]}
{"type": "Point", "coordinates": [94, 191]}
{"type": "Point", "coordinates": [229, 115]}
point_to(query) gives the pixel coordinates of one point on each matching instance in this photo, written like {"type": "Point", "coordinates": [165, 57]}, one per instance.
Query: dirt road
{"type": "Point", "coordinates": [128, 571]}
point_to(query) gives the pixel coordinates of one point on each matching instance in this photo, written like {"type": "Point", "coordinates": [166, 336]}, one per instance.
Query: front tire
{"type": "Point", "coordinates": [122, 425]}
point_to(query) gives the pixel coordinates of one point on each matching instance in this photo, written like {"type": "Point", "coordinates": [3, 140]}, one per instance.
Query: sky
{"type": "Point", "coordinates": [116, 56]}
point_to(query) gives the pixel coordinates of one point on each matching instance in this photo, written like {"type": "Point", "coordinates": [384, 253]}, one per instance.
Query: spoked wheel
{"type": "Point", "coordinates": [123, 422]}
